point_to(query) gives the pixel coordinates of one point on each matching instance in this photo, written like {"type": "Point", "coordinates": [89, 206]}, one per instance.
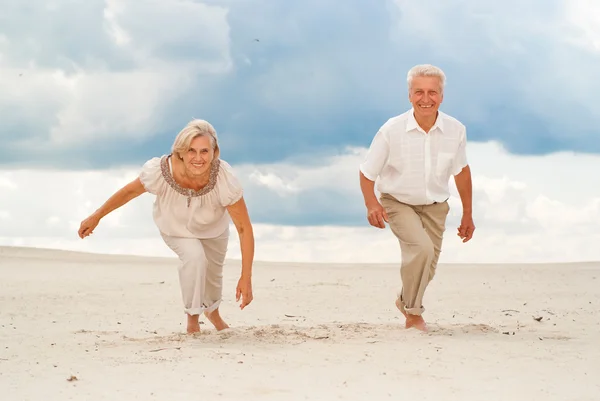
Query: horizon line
{"type": "Point", "coordinates": [35, 249]}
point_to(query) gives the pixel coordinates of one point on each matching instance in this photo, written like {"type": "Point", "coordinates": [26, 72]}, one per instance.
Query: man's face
{"type": "Point", "coordinates": [426, 96]}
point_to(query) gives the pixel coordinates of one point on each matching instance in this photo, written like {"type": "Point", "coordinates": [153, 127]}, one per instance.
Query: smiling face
{"type": "Point", "coordinates": [426, 95]}
{"type": "Point", "coordinates": [198, 157]}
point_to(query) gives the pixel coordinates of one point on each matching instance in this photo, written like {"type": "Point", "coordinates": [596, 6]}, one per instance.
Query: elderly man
{"type": "Point", "coordinates": [411, 158]}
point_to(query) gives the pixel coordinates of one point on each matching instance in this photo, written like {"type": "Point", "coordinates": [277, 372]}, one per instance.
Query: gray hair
{"type": "Point", "coordinates": [192, 130]}
{"type": "Point", "coordinates": [426, 70]}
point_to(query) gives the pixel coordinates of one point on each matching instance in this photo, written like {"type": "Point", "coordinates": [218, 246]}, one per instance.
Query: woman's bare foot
{"type": "Point", "coordinates": [215, 318]}
{"type": "Point", "coordinates": [193, 325]}
{"type": "Point", "coordinates": [417, 322]}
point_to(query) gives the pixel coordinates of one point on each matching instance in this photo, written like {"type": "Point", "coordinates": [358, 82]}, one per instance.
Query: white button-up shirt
{"type": "Point", "coordinates": [414, 166]}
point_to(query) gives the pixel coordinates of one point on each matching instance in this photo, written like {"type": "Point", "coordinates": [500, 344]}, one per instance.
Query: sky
{"type": "Point", "coordinates": [296, 91]}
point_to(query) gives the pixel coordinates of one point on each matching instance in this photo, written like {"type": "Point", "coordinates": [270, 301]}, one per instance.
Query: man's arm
{"type": "Point", "coordinates": [465, 190]}
{"type": "Point", "coordinates": [375, 212]}
{"type": "Point", "coordinates": [367, 187]}
{"type": "Point", "coordinates": [369, 171]}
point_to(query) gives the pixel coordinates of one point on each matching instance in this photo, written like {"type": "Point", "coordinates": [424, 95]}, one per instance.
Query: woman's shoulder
{"type": "Point", "coordinates": [151, 173]}
{"type": "Point", "coordinates": [230, 187]}
{"type": "Point", "coordinates": [155, 163]}
{"type": "Point", "coordinates": [226, 170]}
{"type": "Point", "coordinates": [225, 165]}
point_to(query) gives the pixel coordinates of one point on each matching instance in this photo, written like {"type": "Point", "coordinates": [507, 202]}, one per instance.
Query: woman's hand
{"type": "Point", "coordinates": [87, 226]}
{"type": "Point", "coordinates": [241, 219]}
{"type": "Point", "coordinates": [244, 290]}
{"type": "Point", "coordinates": [119, 198]}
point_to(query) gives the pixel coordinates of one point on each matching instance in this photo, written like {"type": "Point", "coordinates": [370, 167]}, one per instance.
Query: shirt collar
{"type": "Point", "coordinates": [411, 124]}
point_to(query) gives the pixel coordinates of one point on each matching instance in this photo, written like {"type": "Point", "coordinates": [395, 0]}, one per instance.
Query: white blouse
{"type": "Point", "coordinates": [183, 212]}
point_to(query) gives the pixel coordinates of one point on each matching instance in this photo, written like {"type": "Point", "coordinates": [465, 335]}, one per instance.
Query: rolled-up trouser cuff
{"type": "Point", "coordinates": [410, 311]}
{"type": "Point", "coordinates": [203, 308]}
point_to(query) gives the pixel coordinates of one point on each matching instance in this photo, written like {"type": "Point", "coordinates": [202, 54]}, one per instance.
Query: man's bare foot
{"type": "Point", "coordinates": [412, 320]}
{"type": "Point", "coordinates": [417, 322]}
{"type": "Point", "coordinates": [215, 318]}
{"type": "Point", "coordinates": [193, 325]}
{"type": "Point", "coordinates": [401, 307]}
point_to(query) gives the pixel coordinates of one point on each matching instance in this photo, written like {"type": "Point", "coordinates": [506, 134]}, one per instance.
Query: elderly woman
{"type": "Point", "coordinates": [196, 194]}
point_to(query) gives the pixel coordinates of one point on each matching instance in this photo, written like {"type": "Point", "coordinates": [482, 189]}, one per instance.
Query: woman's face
{"type": "Point", "coordinates": [199, 156]}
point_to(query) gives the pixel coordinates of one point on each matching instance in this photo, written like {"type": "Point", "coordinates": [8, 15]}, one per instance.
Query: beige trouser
{"type": "Point", "coordinates": [200, 271]}
{"type": "Point", "coordinates": [419, 230]}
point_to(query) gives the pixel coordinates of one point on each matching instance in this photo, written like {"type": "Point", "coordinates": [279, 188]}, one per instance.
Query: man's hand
{"type": "Point", "coordinates": [376, 214]}
{"type": "Point", "coordinates": [467, 227]}
{"type": "Point", "coordinates": [244, 291]}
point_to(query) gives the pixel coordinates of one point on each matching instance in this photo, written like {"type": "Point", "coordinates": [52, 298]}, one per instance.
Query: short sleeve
{"type": "Point", "coordinates": [460, 161]}
{"type": "Point", "coordinates": [376, 156]}
{"type": "Point", "coordinates": [230, 188]}
{"type": "Point", "coordinates": [151, 176]}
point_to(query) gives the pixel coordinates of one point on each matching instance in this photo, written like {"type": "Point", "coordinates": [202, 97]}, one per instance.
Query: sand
{"type": "Point", "coordinates": [77, 326]}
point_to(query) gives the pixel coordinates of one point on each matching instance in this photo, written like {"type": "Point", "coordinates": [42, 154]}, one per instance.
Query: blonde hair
{"type": "Point", "coordinates": [426, 70]}
{"type": "Point", "coordinates": [192, 130]}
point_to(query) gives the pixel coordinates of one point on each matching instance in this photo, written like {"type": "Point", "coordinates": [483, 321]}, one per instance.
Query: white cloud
{"type": "Point", "coordinates": [113, 71]}
{"type": "Point", "coordinates": [512, 55]}
{"type": "Point", "coordinates": [6, 183]}
{"type": "Point", "coordinates": [305, 174]}
{"type": "Point", "coordinates": [584, 19]}
{"type": "Point", "coordinates": [111, 12]}
{"type": "Point", "coordinates": [527, 209]}
{"type": "Point", "coordinates": [274, 182]}
{"type": "Point", "coordinates": [130, 69]}
{"type": "Point", "coordinates": [112, 105]}
{"type": "Point", "coordinates": [141, 56]}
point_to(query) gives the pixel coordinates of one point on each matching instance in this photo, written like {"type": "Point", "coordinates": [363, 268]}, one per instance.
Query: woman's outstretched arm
{"type": "Point", "coordinates": [119, 198]}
